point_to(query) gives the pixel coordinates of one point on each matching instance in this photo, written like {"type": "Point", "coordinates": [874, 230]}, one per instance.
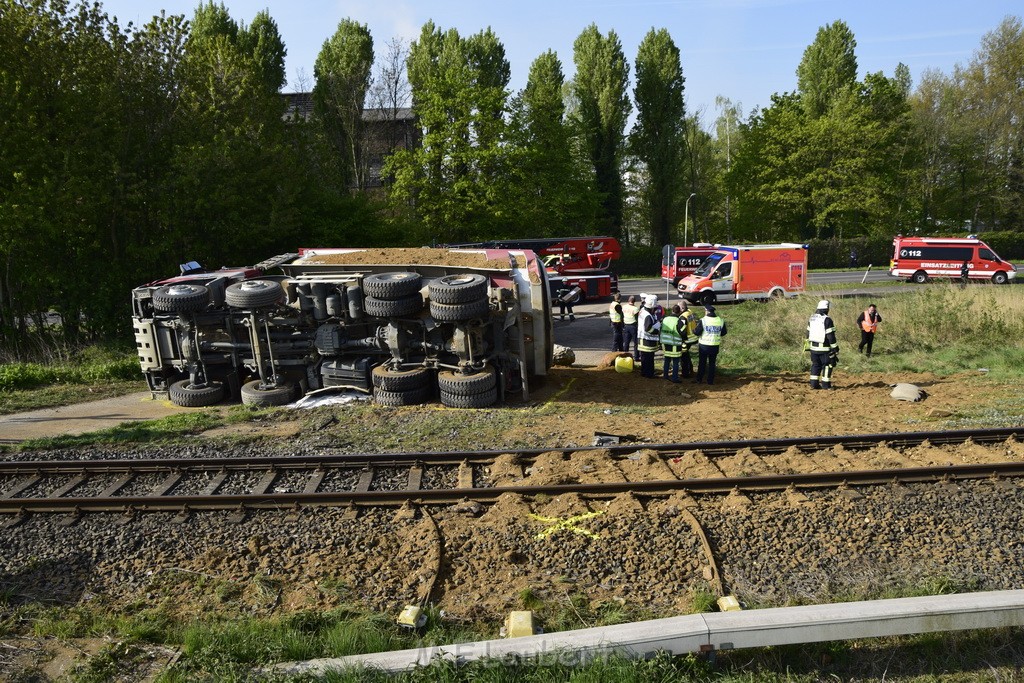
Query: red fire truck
{"type": "Point", "coordinates": [682, 261]}
{"type": "Point", "coordinates": [582, 262]}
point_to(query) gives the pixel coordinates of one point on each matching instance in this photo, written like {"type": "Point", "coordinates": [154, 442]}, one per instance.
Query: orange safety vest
{"type": "Point", "coordinates": [867, 324]}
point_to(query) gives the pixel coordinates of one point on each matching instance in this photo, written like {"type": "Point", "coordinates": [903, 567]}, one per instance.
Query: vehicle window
{"type": "Point", "coordinates": [936, 253]}
{"type": "Point", "coordinates": [725, 270]}
{"type": "Point", "coordinates": [986, 255]}
{"type": "Point", "coordinates": [709, 265]}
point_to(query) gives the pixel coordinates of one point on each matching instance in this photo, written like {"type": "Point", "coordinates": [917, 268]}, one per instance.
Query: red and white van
{"type": "Point", "coordinates": [758, 271]}
{"type": "Point", "coordinates": [919, 259]}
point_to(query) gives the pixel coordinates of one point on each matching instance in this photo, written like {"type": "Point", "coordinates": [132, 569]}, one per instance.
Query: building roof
{"type": "Point", "coordinates": [299, 105]}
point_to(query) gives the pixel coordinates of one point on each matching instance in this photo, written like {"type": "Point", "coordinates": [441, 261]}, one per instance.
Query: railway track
{"type": "Point", "coordinates": [295, 483]}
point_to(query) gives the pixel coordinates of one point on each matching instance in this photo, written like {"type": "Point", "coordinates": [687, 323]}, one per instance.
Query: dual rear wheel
{"type": "Point", "coordinates": [456, 390]}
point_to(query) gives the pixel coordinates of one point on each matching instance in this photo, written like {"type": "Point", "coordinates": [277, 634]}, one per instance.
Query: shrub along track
{"type": "Point", "coordinates": [624, 524]}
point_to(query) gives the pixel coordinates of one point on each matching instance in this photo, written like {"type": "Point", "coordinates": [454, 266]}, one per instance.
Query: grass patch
{"type": "Point", "coordinates": [53, 395]}
{"type": "Point", "coordinates": [940, 328]}
{"type": "Point", "coordinates": [68, 376]}
{"type": "Point", "coordinates": [216, 649]}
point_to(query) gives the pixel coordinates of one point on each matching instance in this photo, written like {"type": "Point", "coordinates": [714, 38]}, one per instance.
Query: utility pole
{"type": "Point", "coordinates": [686, 218]}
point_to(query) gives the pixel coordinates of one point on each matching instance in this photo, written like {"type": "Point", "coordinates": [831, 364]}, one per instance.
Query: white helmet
{"type": "Point", "coordinates": [651, 301]}
{"type": "Point", "coordinates": [823, 305]}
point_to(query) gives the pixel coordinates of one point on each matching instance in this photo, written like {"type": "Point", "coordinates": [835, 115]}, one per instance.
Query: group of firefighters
{"type": "Point", "coordinates": [648, 327]}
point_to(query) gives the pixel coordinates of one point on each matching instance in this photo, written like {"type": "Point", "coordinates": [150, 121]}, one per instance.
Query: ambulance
{"type": "Point", "coordinates": [760, 271]}
{"type": "Point", "coordinates": [920, 259]}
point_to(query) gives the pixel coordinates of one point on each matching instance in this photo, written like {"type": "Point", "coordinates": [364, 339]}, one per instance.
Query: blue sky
{"type": "Point", "coordinates": [745, 50]}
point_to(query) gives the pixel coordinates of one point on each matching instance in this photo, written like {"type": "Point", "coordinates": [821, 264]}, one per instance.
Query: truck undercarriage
{"type": "Point", "coordinates": [466, 327]}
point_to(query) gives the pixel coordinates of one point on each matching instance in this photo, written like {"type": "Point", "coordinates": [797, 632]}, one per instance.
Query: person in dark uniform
{"type": "Point", "coordinates": [821, 338]}
{"type": "Point", "coordinates": [566, 296]}
{"type": "Point", "coordinates": [615, 318]}
{"type": "Point", "coordinates": [710, 330]}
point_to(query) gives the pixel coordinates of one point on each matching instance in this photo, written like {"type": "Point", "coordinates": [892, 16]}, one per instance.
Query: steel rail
{"type": "Point", "coordinates": [711, 486]}
{"type": "Point", "coordinates": [331, 459]}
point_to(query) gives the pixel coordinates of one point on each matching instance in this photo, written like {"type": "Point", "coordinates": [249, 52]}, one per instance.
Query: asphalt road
{"type": "Point", "coordinates": [589, 336]}
{"type": "Point", "coordinates": [854, 278]}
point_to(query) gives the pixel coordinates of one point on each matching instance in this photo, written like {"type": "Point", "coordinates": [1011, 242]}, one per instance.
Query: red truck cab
{"type": "Point", "coordinates": [683, 261]}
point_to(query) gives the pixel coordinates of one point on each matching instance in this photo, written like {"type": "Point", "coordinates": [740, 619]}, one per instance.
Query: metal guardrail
{"type": "Point", "coordinates": [697, 633]}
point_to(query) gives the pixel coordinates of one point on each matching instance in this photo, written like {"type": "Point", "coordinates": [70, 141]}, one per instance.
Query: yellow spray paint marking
{"type": "Point", "coordinates": [557, 396]}
{"type": "Point", "coordinates": [568, 524]}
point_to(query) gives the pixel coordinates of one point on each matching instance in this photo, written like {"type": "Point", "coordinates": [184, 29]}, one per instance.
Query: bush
{"type": "Point", "coordinates": [88, 366]}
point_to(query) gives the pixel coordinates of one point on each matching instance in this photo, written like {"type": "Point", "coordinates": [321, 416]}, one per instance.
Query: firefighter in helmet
{"type": "Point", "coordinates": [649, 328]}
{"type": "Point", "coordinates": [821, 341]}
{"type": "Point", "coordinates": [567, 296]}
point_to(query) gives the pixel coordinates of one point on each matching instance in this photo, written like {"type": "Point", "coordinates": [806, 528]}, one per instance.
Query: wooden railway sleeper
{"type": "Point", "coordinates": [72, 517]}
{"type": "Point", "coordinates": [15, 519]}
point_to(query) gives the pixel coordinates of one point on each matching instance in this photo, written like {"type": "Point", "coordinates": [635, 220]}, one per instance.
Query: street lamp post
{"type": "Point", "coordinates": [686, 217]}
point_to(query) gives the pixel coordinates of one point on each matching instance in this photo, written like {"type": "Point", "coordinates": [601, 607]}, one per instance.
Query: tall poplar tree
{"type": "Point", "coordinates": [262, 41]}
{"type": "Point", "coordinates": [657, 137]}
{"type": "Point", "coordinates": [601, 93]}
{"type": "Point", "coordinates": [342, 72]}
{"type": "Point", "coordinates": [550, 193]}
{"type": "Point", "coordinates": [828, 68]}
{"type": "Point", "coordinates": [455, 178]}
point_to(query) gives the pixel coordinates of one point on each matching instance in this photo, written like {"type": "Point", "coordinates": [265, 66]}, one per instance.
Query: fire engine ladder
{"type": "Point", "coordinates": [274, 261]}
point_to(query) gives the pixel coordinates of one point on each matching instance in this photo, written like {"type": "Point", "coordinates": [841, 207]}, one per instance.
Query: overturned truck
{"type": "Point", "coordinates": [468, 327]}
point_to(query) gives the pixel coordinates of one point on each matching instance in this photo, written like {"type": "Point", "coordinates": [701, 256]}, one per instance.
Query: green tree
{"type": "Point", "coordinates": [455, 178]}
{"type": "Point", "coordinates": [828, 68]}
{"type": "Point", "coordinates": [549, 192]}
{"type": "Point", "coordinates": [602, 106]}
{"type": "Point", "coordinates": [993, 84]}
{"type": "Point", "coordinates": [728, 138]}
{"type": "Point", "coordinates": [766, 176]}
{"type": "Point", "coordinates": [657, 138]}
{"type": "Point", "coordinates": [835, 160]}
{"type": "Point", "coordinates": [262, 41]}
{"type": "Point", "coordinates": [342, 72]}
{"type": "Point", "coordinates": [231, 160]}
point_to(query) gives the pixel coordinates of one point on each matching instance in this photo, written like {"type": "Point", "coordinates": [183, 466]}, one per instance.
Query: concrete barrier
{"type": "Point", "coordinates": [713, 631]}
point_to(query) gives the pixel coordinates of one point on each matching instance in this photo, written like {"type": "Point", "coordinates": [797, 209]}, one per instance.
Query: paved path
{"type": "Point", "coordinates": [83, 417]}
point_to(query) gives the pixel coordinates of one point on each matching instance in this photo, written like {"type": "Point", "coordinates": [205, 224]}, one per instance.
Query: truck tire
{"type": "Point", "coordinates": [391, 285]}
{"type": "Point", "coordinates": [181, 298]}
{"type": "Point", "coordinates": [455, 383]}
{"type": "Point", "coordinates": [393, 308]}
{"type": "Point", "coordinates": [707, 299]}
{"type": "Point", "coordinates": [920, 277]}
{"type": "Point", "coordinates": [488, 398]}
{"type": "Point", "coordinates": [399, 380]}
{"type": "Point", "coordinates": [461, 288]}
{"type": "Point", "coordinates": [453, 313]}
{"type": "Point", "coordinates": [412, 397]}
{"type": "Point", "coordinates": [999, 278]}
{"type": "Point", "coordinates": [253, 294]}
{"type": "Point", "coordinates": [258, 395]}
{"type": "Point", "coordinates": [188, 395]}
